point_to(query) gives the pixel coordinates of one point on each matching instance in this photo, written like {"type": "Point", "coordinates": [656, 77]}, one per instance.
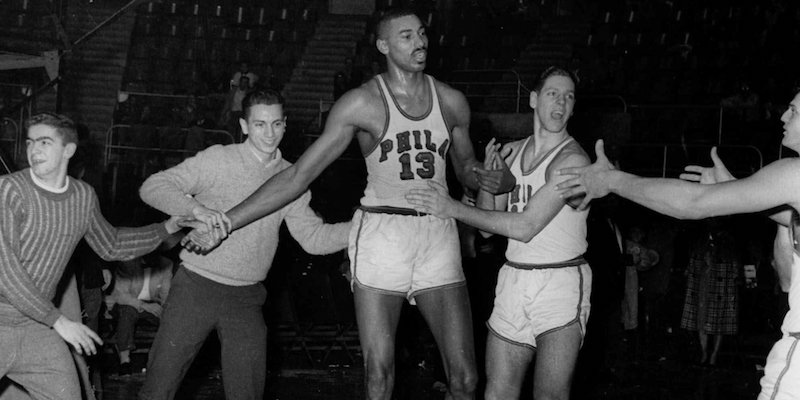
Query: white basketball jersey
{"type": "Point", "coordinates": [791, 323]}
{"type": "Point", "coordinates": [410, 152]}
{"type": "Point", "coordinates": [564, 238]}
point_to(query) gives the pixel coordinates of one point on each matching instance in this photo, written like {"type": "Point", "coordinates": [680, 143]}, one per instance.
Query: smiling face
{"type": "Point", "coordinates": [404, 43]}
{"type": "Point", "coordinates": [554, 102]}
{"type": "Point", "coordinates": [265, 126]}
{"type": "Point", "coordinates": [48, 154]}
{"type": "Point", "coordinates": [791, 124]}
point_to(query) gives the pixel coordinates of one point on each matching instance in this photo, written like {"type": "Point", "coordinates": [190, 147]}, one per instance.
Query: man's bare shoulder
{"type": "Point", "coordinates": [454, 103]}
{"type": "Point", "coordinates": [365, 98]}
{"type": "Point", "coordinates": [572, 155]}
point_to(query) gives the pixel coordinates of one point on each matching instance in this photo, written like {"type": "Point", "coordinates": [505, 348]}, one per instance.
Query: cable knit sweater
{"type": "Point", "coordinates": [39, 230]}
{"type": "Point", "coordinates": [219, 178]}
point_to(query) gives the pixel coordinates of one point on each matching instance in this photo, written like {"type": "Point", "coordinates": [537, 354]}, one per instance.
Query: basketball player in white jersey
{"type": "Point", "coordinates": [406, 124]}
{"type": "Point", "coordinates": [775, 185]}
{"type": "Point", "coordinates": [542, 296]}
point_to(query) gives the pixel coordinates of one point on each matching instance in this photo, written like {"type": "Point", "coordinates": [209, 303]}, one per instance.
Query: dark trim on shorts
{"type": "Point", "coordinates": [392, 210]}
{"type": "Point", "coordinates": [412, 295]}
{"type": "Point", "coordinates": [575, 262]}
{"type": "Point", "coordinates": [507, 340]}
{"type": "Point", "coordinates": [575, 320]}
{"type": "Point", "coordinates": [789, 354]}
{"type": "Point", "coordinates": [378, 290]}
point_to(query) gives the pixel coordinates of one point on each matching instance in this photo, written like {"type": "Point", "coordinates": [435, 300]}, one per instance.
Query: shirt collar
{"type": "Point", "coordinates": [263, 157]}
{"type": "Point", "coordinates": [40, 183]}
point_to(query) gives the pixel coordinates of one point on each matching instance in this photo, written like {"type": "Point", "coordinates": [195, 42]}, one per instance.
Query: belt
{"type": "Point", "coordinates": [392, 210]}
{"type": "Point", "coordinates": [577, 261]}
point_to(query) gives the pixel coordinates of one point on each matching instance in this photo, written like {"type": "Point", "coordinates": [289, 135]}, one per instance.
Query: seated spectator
{"type": "Point", "coordinates": [140, 290]}
{"type": "Point", "coordinates": [243, 72]}
{"type": "Point", "coordinates": [233, 106]}
{"type": "Point", "coordinates": [346, 79]}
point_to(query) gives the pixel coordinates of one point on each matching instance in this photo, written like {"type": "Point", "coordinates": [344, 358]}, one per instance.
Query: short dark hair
{"type": "Point", "coordinates": [63, 125]}
{"type": "Point", "coordinates": [554, 71]}
{"type": "Point", "coordinates": [390, 15]}
{"type": "Point", "coordinates": [267, 97]}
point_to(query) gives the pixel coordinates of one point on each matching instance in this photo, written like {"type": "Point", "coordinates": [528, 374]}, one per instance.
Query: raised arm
{"type": "Point", "coordinates": [118, 244]}
{"type": "Point", "coordinates": [539, 211]}
{"type": "Point", "coordinates": [287, 185]}
{"type": "Point", "coordinates": [775, 185]}
{"type": "Point", "coordinates": [172, 191]}
{"type": "Point", "coordinates": [469, 171]}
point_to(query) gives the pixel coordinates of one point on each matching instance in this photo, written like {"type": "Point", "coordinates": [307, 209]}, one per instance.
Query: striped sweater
{"type": "Point", "coordinates": [39, 230]}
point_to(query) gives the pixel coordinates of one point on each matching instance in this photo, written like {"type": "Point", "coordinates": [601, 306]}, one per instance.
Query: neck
{"type": "Point", "coordinates": [404, 81]}
{"type": "Point", "coordinates": [264, 157]}
{"type": "Point", "coordinates": [544, 139]}
{"type": "Point", "coordinates": [56, 183]}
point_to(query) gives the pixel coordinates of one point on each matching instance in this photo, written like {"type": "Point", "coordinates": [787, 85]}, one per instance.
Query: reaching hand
{"type": "Point", "coordinates": [214, 220]}
{"type": "Point", "coordinates": [717, 173]}
{"type": "Point", "coordinates": [201, 241]}
{"type": "Point", "coordinates": [78, 335]}
{"type": "Point", "coordinates": [495, 177]}
{"type": "Point", "coordinates": [435, 201]}
{"type": "Point", "coordinates": [176, 222]}
{"type": "Point", "coordinates": [591, 179]}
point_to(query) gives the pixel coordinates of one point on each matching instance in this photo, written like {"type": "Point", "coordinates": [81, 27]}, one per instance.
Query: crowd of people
{"type": "Point", "coordinates": [405, 242]}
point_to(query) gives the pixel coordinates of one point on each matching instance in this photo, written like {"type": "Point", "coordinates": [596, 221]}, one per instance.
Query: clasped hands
{"type": "Point", "coordinates": [209, 229]}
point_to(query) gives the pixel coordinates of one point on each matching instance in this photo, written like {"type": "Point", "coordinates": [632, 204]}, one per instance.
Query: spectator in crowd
{"type": "Point", "coordinates": [141, 286]}
{"type": "Point", "coordinates": [44, 214]}
{"type": "Point", "coordinates": [243, 72]}
{"type": "Point", "coordinates": [221, 290]}
{"type": "Point", "coordinates": [348, 78]}
{"type": "Point", "coordinates": [712, 301]}
{"type": "Point", "coordinates": [232, 111]}
{"type": "Point", "coordinates": [638, 258]}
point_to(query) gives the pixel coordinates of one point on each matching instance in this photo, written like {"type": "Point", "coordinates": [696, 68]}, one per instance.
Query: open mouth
{"type": "Point", "coordinates": [420, 55]}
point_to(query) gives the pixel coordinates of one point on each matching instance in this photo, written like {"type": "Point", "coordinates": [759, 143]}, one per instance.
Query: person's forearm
{"type": "Point", "coordinates": [269, 197]}
{"type": "Point", "coordinates": [672, 197]}
{"type": "Point", "coordinates": [508, 224]}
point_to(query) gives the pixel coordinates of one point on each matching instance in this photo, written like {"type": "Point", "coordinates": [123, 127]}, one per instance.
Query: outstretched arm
{"type": "Point", "coordinates": [293, 181]}
{"type": "Point", "coordinates": [540, 209]}
{"type": "Point", "coordinates": [775, 185]}
{"type": "Point", "coordinates": [471, 173]}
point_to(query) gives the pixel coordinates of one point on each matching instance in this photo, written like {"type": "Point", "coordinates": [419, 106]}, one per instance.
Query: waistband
{"type": "Point", "coordinates": [575, 262]}
{"type": "Point", "coordinates": [392, 210]}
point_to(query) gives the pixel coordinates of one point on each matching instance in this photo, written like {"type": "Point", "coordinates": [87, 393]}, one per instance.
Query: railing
{"type": "Point", "coordinates": [466, 86]}
{"type": "Point", "coordinates": [110, 145]}
{"type": "Point", "coordinates": [25, 109]}
{"type": "Point", "coordinates": [700, 156]}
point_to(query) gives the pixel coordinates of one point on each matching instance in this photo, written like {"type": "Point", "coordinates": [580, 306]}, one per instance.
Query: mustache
{"type": "Point", "coordinates": [423, 48]}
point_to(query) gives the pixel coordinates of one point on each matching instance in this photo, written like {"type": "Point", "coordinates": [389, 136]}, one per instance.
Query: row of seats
{"type": "Point", "coordinates": [229, 12]}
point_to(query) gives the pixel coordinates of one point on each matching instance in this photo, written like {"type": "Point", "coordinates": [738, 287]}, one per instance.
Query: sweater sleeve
{"type": "Point", "coordinates": [313, 234]}
{"type": "Point", "coordinates": [115, 244]}
{"type": "Point", "coordinates": [171, 191]}
{"type": "Point", "coordinates": [16, 284]}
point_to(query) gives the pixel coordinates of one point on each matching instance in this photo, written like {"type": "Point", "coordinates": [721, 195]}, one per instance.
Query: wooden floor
{"type": "Point", "coordinates": [662, 373]}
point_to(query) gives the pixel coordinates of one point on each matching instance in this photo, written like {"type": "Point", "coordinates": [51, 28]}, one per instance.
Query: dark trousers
{"type": "Point", "coordinates": [196, 306]}
{"type": "Point", "coordinates": [127, 317]}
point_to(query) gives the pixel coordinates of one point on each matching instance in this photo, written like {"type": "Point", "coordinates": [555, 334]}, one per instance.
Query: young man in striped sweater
{"type": "Point", "coordinates": [43, 215]}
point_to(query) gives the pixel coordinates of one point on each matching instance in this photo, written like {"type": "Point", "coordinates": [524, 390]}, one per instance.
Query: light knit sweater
{"type": "Point", "coordinates": [219, 178]}
{"type": "Point", "coordinates": [39, 230]}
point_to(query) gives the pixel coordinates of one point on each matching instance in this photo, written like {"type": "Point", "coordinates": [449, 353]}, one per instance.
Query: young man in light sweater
{"type": "Point", "coordinates": [222, 290]}
{"type": "Point", "coordinates": [43, 215]}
